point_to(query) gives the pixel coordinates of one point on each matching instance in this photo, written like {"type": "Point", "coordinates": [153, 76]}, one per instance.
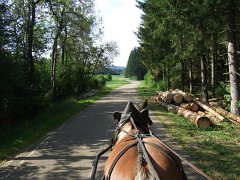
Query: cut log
{"type": "Point", "coordinates": [178, 98]}
{"type": "Point", "coordinates": [228, 114]}
{"type": "Point", "coordinates": [167, 97]}
{"type": "Point", "coordinates": [209, 115]}
{"type": "Point", "coordinates": [186, 96]}
{"type": "Point", "coordinates": [198, 120]}
{"type": "Point", "coordinates": [215, 99]}
{"type": "Point", "coordinates": [209, 109]}
{"type": "Point", "coordinates": [185, 106]}
{"type": "Point", "coordinates": [194, 107]}
{"type": "Point", "coordinates": [190, 106]}
{"type": "Point", "coordinates": [169, 107]}
{"type": "Point", "coordinates": [159, 97]}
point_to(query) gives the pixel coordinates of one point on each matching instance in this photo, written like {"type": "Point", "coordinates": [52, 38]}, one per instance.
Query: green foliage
{"type": "Point", "coordinates": [223, 90]}
{"type": "Point", "coordinates": [158, 84]}
{"type": "Point", "coordinates": [100, 81]}
{"type": "Point", "coordinates": [149, 79]}
{"type": "Point", "coordinates": [68, 31]}
{"type": "Point", "coordinates": [109, 77]}
{"type": "Point", "coordinates": [175, 36]}
{"type": "Point", "coordinates": [15, 139]}
{"type": "Point", "coordinates": [134, 65]}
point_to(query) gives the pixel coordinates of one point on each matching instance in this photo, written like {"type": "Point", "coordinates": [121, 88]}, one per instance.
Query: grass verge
{"type": "Point", "coordinates": [215, 150]}
{"type": "Point", "coordinates": [16, 139]}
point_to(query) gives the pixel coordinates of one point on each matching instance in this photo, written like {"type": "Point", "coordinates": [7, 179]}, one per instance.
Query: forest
{"type": "Point", "coordinates": [49, 50]}
{"type": "Point", "coordinates": [190, 45]}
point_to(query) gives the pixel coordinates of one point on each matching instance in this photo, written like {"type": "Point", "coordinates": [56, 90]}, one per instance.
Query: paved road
{"type": "Point", "coordinates": [68, 152]}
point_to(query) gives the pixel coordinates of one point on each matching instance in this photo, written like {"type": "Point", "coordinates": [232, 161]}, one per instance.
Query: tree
{"type": "Point", "coordinates": [135, 66]}
{"type": "Point", "coordinates": [232, 56]}
{"type": "Point", "coordinates": [175, 35]}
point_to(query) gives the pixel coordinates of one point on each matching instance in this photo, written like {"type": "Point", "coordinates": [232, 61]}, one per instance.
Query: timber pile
{"type": "Point", "coordinates": [88, 93]}
{"type": "Point", "coordinates": [193, 109]}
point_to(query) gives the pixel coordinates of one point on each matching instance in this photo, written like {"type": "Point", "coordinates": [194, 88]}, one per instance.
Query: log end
{"type": "Point", "coordinates": [202, 122]}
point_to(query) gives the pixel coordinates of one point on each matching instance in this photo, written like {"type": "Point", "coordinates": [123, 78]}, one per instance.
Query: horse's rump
{"type": "Point", "coordinates": [165, 163]}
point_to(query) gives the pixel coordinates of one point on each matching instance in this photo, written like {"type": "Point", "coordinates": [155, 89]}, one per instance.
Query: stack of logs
{"type": "Point", "coordinates": [193, 109]}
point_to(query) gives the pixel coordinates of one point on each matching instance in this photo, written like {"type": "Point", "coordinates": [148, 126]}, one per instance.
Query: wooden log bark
{"type": "Point", "coordinates": [190, 106]}
{"type": "Point", "coordinates": [167, 97]}
{"type": "Point", "coordinates": [186, 96]}
{"type": "Point", "coordinates": [169, 107]}
{"type": "Point", "coordinates": [194, 107]}
{"type": "Point", "coordinates": [209, 109]}
{"type": "Point", "coordinates": [178, 98]}
{"type": "Point", "coordinates": [185, 106]}
{"type": "Point", "coordinates": [227, 114]}
{"type": "Point", "coordinates": [210, 116]}
{"type": "Point", "coordinates": [198, 120]}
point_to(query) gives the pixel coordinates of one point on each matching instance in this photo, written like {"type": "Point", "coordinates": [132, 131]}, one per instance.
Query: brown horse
{"type": "Point", "coordinates": [137, 153]}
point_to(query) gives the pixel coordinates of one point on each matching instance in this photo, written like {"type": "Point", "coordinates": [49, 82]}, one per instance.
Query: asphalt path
{"type": "Point", "coordinates": [68, 152]}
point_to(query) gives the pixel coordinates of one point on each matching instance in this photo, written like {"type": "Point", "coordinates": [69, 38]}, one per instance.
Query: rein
{"type": "Point", "coordinates": [142, 153]}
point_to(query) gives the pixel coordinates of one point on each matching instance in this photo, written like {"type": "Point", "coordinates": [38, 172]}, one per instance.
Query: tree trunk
{"type": "Point", "coordinates": [190, 77]}
{"type": "Point", "coordinates": [53, 66]}
{"type": "Point", "coordinates": [232, 57]}
{"type": "Point", "coordinates": [204, 79]}
{"type": "Point", "coordinates": [213, 66]}
{"type": "Point", "coordinates": [64, 45]}
{"type": "Point", "coordinates": [203, 64]}
{"type": "Point", "coordinates": [182, 76]}
{"type": "Point", "coordinates": [168, 78]}
{"type": "Point", "coordinates": [30, 32]}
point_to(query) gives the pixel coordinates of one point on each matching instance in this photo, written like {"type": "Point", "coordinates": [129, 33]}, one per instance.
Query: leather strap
{"type": "Point", "coordinates": [117, 158]}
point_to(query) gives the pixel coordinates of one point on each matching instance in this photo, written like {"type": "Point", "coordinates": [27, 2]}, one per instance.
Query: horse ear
{"type": "Point", "coordinates": [117, 116]}
{"type": "Point", "coordinates": [145, 104]}
{"type": "Point", "coordinates": [130, 108]}
{"type": "Point", "coordinates": [145, 116]}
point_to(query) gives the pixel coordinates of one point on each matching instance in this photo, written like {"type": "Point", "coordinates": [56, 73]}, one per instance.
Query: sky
{"type": "Point", "coordinates": [121, 18]}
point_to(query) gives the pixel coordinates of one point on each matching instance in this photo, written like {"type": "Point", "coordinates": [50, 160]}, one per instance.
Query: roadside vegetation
{"type": "Point", "coordinates": [16, 139]}
{"type": "Point", "coordinates": [215, 150]}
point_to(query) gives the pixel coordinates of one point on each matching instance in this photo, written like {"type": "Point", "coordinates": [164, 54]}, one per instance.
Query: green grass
{"type": "Point", "coordinates": [16, 139]}
{"type": "Point", "coordinates": [215, 150]}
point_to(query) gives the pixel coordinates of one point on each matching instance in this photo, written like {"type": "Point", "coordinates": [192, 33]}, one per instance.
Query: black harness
{"type": "Point", "coordinates": [143, 155]}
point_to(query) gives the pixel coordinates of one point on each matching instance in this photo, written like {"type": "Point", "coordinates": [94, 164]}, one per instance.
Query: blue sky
{"type": "Point", "coordinates": [121, 18]}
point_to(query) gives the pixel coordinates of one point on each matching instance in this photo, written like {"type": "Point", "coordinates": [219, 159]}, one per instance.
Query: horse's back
{"type": "Point", "coordinates": [125, 167]}
{"type": "Point", "coordinates": [165, 162]}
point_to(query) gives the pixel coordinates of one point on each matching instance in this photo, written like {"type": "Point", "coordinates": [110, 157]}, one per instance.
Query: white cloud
{"type": "Point", "coordinates": [121, 19]}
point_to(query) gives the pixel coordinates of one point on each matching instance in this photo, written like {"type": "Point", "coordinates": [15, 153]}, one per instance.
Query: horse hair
{"type": "Point", "coordinates": [143, 173]}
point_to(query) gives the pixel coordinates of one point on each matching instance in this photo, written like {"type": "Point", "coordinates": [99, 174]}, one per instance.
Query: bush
{"type": "Point", "coordinates": [148, 78]}
{"type": "Point", "coordinates": [109, 77]}
{"type": "Point", "coordinates": [101, 81]}
{"type": "Point", "coordinates": [161, 85]}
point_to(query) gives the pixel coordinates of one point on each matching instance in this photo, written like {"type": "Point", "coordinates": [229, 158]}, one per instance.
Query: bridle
{"type": "Point", "coordinates": [143, 155]}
